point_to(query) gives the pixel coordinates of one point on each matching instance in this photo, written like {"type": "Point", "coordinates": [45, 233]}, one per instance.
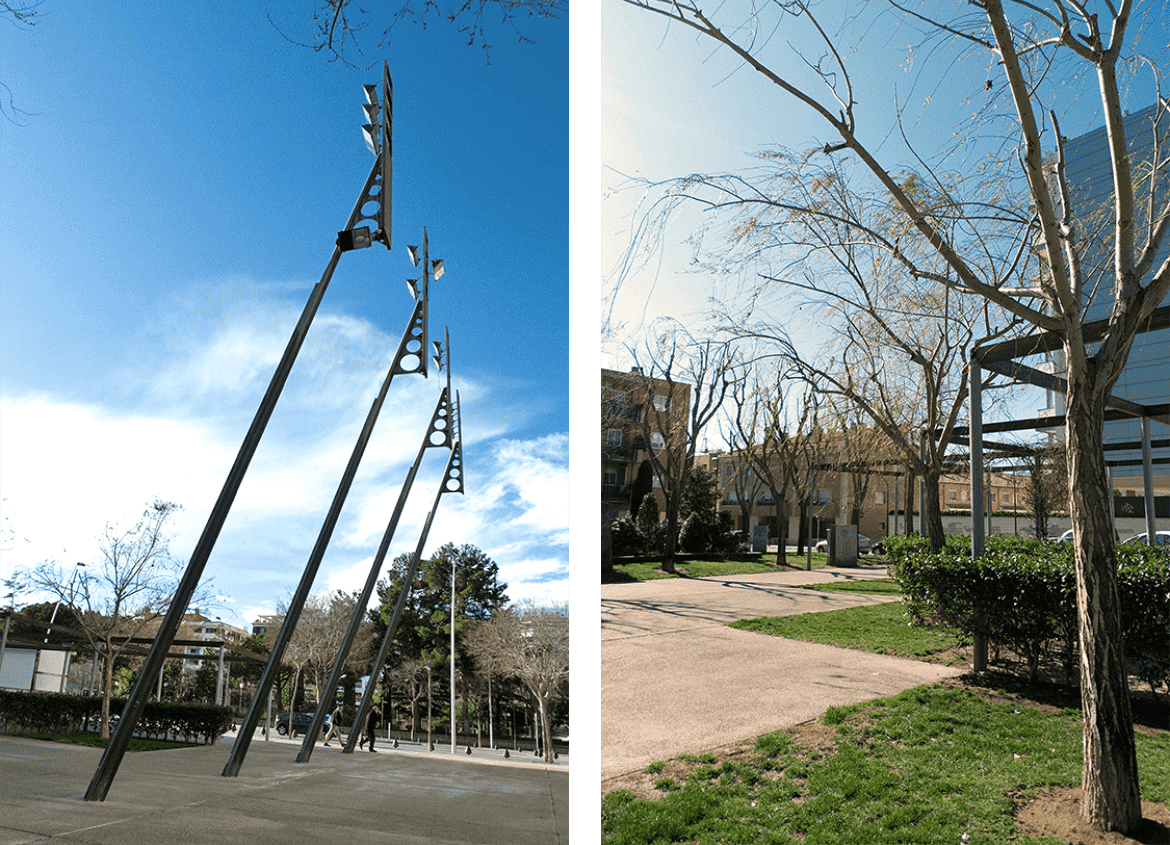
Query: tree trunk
{"type": "Point", "coordinates": [909, 521]}
{"type": "Point", "coordinates": [931, 508]}
{"type": "Point", "coordinates": [107, 691]}
{"type": "Point", "coordinates": [671, 539]}
{"type": "Point", "coordinates": [1109, 776]}
{"type": "Point", "coordinates": [545, 727]}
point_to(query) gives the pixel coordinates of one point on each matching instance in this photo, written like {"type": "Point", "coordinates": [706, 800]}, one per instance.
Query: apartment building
{"type": "Point", "coordinates": [878, 497]}
{"type": "Point", "coordinates": [638, 413]}
{"type": "Point", "coordinates": [196, 626]}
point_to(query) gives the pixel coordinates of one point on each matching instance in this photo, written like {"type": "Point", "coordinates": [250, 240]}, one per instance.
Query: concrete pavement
{"type": "Point", "coordinates": [675, 678]}
{"type": "Point", "coordinates": [405, 797]}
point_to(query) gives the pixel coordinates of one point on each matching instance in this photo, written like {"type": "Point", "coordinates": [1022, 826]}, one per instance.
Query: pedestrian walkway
{"type": "Point", "coordinates": [398, 796]}
{"type": "Point", "coordinates": [676, 679]}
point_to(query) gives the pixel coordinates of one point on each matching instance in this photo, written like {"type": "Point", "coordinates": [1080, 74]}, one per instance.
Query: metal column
{"type": "Point", "coordinates": [132, 712]}
{"type": "Point", "coordinates": [977, 537]}
{"type": "Point", "coordinates": [1148, 484]}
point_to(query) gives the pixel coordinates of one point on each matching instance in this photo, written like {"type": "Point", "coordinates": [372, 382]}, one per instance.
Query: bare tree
{"type": "Point", "coordinates": [1047, 490]}
{"type": "Point", "coordinates": [1038, 51]}
{"type": "Point", "coordinates": [488, 645]}
{"type": "Point", "coordinates": [897, 346]}
{"type": "Point", "coordinates": [23, 14]}
{"type": "Point", "coordinates": [859, 451]}
{"type": "Point", "coordinates": [341, 28]}
{"type": "Point", "coordinates": [121, 596]}
{"type": "Point", "coordinates": [530, 642]}
{"type": "Point", "coordinates": [773, 430]}
{"type": "Point", "coordinates": [672, 426]}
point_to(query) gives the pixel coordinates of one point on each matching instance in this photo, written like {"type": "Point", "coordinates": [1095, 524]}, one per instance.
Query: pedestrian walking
{"type": "Point", "coordinates": [372, 721]}
{"type": "Point", "coordinates": [334, 726]}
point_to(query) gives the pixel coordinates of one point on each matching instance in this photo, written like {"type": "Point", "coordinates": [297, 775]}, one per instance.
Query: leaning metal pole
{"type": "Point", "coordinates": [112, 758]}
{"type": "Point", "coordinates": [452, 483]}
{"type": "Point", "coordinates": [438, 435]}
{"type": "Point", "coordinates": [408, 349]}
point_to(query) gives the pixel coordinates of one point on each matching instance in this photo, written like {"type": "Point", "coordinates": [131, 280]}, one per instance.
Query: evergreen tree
{"type": "Point", "coordinates": [425, 629]}
{"type": "Point", "coordinates": [643, 485]}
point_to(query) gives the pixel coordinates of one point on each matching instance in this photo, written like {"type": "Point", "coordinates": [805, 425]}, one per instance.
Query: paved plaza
{"type": "Point", "coordinates": [676, 679]}
{"type": "Point", "coordinates": [407, 796]}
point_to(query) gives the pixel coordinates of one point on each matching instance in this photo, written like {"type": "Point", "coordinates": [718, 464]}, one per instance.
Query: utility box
{"type": "Point", "coordinates": [842, 545]}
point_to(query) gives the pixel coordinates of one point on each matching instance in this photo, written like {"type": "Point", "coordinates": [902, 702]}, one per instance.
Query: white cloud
{"type": "Point", "coordinates": [68, 466]}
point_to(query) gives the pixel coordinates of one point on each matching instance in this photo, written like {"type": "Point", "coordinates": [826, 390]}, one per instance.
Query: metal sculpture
{"type": "Point", "coordinates": [376, 191]}
{"type": "Point", "coordinates": [452, 483]}
{"type": "Point", "coordinates": [438, 435]}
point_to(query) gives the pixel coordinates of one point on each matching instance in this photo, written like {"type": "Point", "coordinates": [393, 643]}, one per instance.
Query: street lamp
{"type": "Point", "coordinates": [452, 656]}
{"type": "Point", "coordinates": [430, 742]}
{"type": "Point", "coordinates": [57, 606]}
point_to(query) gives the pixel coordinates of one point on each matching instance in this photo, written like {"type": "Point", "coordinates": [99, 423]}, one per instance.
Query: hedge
{"type": "Point", "coordinates": [1022, 593]}
{"type": "Point", "coordinates": [55, 712]}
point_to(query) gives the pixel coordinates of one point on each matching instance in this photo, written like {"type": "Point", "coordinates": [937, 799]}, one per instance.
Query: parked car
{"type": "Point", "coordinates": [863, 546]}
{"type": "Point", "coordinates": [1066, 537]}
{"type": "Point", "coordinates": [300, 724]}
{"type": "Point", "coordinates": [1143, 538]}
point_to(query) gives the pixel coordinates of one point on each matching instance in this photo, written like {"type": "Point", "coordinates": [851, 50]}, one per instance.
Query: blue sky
{"type": "Point", "coordinates": [170, 199]}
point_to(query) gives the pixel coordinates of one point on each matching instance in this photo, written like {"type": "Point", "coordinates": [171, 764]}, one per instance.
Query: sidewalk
{"type": "Point", "coordinates": [675, 678]}
{"type": "Point", "coordinates": [401, 796]}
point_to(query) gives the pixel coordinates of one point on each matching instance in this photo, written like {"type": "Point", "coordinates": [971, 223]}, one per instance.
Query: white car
{"type": "Point", "coordinates": [1143, 538]}
{"type": "Point", "coordinates": [863, 546]}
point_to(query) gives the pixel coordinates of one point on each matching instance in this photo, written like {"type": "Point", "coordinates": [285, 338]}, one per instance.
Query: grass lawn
{"type": "Point", "coordinates": [96, 741]}
{"type": "Point", "coordinates": [879, 628]}
{"type": "Point", "coordinates": [627, 572]}
{"type": "Point", "coordinates": [933, 764]}
{"type": "Point", "coordinates": [871, 586]}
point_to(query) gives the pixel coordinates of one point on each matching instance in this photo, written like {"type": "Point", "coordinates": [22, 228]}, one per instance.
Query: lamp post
{"type": "Point", "coordinates": [430, 742]}
{"type": "Point", "coordinates": [57, 606]}
{"type": "Point", "coordinates": [452, 657]}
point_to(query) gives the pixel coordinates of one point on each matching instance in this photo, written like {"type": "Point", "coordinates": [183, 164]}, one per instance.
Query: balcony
{"type": "Point", "coordinates": [625, 452]}
{"type": "Point", "coordinates": [621, 412]}
{"type": "Point", "coordinates": [615, 493]}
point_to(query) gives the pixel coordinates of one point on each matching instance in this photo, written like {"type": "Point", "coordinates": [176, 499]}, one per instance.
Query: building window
{"type": "Point", "coordinates": [661, 403]}
{"type": "Point", "coordinates": [967, 495]}
{"type": "Point", "coordinates": [952, 496]}
{"type": "Point", "coordinates": [730, 470]}
{"type": "Point", "coordinates": [611, 476]}
{"type": "Point", "coordinates": [657, 441]}
{"type": "Point", "coordinates": [879, 497]}
{"type": "Point", "coordinates": [1007, 497]}
{"type": "Point", "coordinates": [614, 437]}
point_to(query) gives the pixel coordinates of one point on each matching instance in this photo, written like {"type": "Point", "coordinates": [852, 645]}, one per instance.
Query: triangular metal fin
{"type": "Point", "coordinates": [439, 430]}
{"type": "Point", "coordinates": [411, 356]}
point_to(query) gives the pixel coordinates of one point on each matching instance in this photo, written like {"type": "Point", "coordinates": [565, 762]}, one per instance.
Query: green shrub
{"type": "Point", "coordinates": [53, 712]}
{"type": "Point", "coordinates": [1022, 593]}
{"type": "Point", "coordinates": [625, 537]}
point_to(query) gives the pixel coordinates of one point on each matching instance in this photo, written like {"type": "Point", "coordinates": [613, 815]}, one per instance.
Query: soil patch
{"type": "Point", "coordinates": [1057, 812]}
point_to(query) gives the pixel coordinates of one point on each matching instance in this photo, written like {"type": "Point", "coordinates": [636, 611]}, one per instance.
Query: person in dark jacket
{"type": "Point", "coordinates": [372, 721]}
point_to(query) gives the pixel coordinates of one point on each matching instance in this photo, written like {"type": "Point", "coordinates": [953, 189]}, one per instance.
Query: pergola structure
{"type": "Point", "coordinates": [1003, 358]}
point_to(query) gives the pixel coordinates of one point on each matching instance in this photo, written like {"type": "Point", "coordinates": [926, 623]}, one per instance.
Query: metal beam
{"type": "Point", "coordinates": [297, 602]}
{"type": "Point", "coordinates": [112, 757]}
{"type": "Point", "coordinates": [326, 696]}
{"type": "Point", "coordinates": [1043, 342]}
